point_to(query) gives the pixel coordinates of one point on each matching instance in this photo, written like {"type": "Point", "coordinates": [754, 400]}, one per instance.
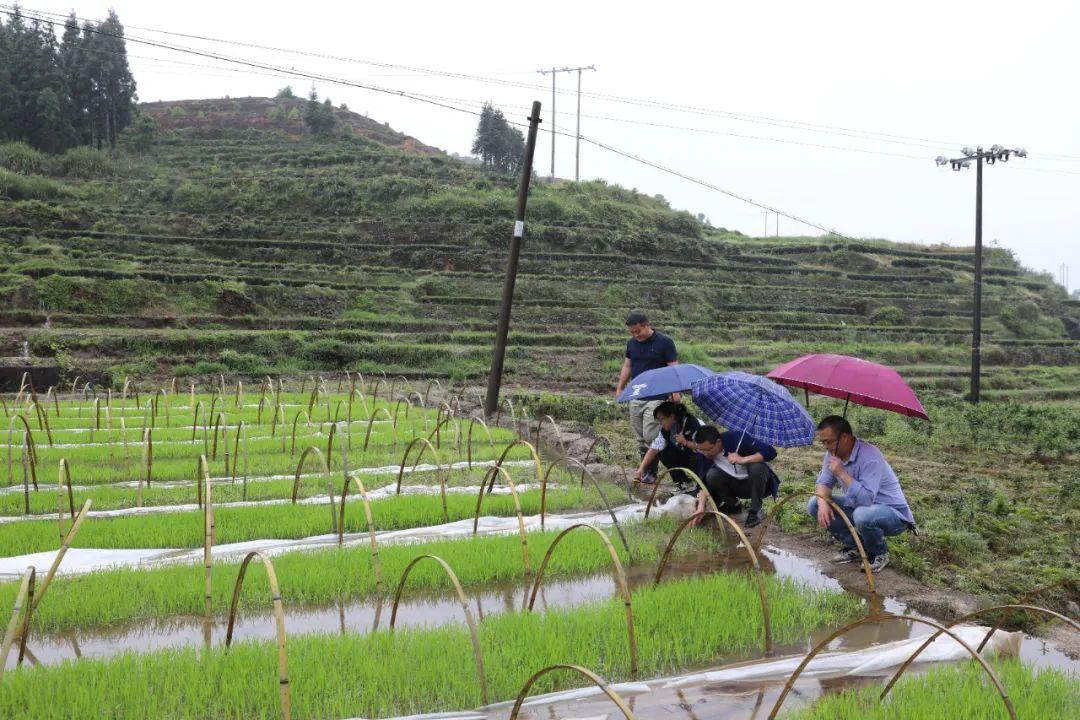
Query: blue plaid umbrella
{"type": "Point", "coordinates": [755, 406]}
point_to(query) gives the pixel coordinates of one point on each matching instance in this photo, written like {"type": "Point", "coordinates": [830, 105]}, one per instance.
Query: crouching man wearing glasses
{"type": "Point", "coordinates": [872, 498]}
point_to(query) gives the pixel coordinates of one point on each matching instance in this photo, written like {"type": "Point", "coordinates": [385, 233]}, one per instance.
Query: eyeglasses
{"type": "Point", "coordinates": [831, 445]}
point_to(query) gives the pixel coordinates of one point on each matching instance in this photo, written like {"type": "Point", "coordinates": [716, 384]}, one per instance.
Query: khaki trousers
{"type": "Point", "coordinates": [642, 422]}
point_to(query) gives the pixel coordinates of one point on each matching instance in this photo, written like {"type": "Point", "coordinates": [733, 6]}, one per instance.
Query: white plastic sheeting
{"type": "Point", "coordinates": [382, 470]}
{"type": "Point", "coordinates": [872, 661]}
{"type": "Point", "coordinates": [80, 560]}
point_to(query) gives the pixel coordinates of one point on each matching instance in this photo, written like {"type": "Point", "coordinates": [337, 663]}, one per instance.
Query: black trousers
{"type": "Point", "coordinates": [728, 489]}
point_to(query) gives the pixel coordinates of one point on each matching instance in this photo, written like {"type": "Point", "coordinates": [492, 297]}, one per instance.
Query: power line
{"type": "Point", "coordinates": [857, 133]}
{"type": "Point", "coordinates": [437, 103]}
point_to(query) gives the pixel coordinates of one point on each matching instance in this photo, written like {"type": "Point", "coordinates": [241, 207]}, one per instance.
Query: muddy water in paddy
{"type": "Point", "coordinates": [433, 609]}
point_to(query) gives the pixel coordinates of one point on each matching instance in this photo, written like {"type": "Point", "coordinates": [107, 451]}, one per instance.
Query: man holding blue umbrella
{"type": "Point", "coordinates": [646, 350]}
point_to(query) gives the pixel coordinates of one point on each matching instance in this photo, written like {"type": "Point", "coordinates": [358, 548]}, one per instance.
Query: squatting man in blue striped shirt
{"type": "Point", "coordinates": [872, 499]}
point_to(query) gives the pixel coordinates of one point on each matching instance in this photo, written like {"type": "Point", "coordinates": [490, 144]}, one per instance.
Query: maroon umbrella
{"type": "Point", "coordinates": [851, 379]}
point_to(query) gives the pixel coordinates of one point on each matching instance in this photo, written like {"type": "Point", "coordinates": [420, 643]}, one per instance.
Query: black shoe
{"type": "Point", "coordinates": [731, 509]}
{"type": "Point", "coordinates": [648, 478]}
{"type": "Point", "coordinates": [753, 518]}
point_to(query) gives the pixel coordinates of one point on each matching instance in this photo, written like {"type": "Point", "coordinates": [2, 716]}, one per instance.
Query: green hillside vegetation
{"type": "Point", "coordinates": [234, 240]}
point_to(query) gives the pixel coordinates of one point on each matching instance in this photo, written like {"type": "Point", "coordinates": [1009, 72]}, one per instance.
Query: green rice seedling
{"type": "Point", "coordinates": [1044, 694]}
{"type": "Point", "coordinates": [173, 462]}
{"type": "Point", "coordinates": [113, 497]}
{"type": "Point", "coordinates": [239, 524]}
{"type": "Point", "coordinates": [123, 595]}
{"type": "Point", "coordinates": [378, 674]}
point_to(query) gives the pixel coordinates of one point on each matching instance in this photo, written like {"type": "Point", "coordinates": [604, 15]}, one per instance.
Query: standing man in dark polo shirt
{"type": "Point", "coordinates": [646, 349]}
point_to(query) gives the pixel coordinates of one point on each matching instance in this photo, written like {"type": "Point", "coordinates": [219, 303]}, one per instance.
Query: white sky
{"type": "Point", "coordinates": [966, 73]}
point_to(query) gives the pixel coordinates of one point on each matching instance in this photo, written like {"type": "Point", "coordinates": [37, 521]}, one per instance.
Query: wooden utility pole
{"type": "Point", "coordinates": [491, 402]}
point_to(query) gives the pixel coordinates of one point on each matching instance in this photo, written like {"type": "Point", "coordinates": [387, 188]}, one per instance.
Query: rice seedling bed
{"type": "Point", "coordinates": [124, 595]}
{"type": "Point", "coordinates": [259, 488]}
{"type": "Point", "coordinates": [379, 674]}
{"type": "Point", "coordinates": [286, 522]}
{"type": "Point", "coordinates": [958, 691]}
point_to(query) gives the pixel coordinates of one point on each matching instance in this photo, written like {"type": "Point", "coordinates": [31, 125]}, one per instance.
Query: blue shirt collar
{"type": "Point", "coordinates": [854, 452]}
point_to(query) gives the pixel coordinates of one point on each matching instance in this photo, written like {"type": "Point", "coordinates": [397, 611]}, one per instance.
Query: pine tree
{"type": "Point", "coordinates": [57, 95]}
{"type": "Point", "coordinates": [319, 117]}
{"type": "Point", "coordinates": [499, 145]}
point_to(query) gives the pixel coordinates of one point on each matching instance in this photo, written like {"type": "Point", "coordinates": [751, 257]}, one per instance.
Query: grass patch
{"type": "Point", "coordinates": [1047, 694]}
{"type": "Point", "coordinates": [378, 674]}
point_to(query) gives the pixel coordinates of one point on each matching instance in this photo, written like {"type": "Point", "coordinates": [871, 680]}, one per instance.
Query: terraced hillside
{"type": "Point", "coordinates": [235, 242]}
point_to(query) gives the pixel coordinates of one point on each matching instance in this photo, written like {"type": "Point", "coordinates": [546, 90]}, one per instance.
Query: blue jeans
{"type": "Point", "coordinates": [873, 522]}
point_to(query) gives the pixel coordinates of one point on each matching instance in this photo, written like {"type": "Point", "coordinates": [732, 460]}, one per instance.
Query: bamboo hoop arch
{"type": "Point", "coordinates": [596, 680]}
{"type": "Point", "coordinates": [566, 459]}
{"type": "Point", "coordinates": [473, 632]}
{"type": "Point", "coordinates": [279, 411]}
{"type": "Point", "coordinates": [517, 508]}
{"type": "Point", "coordinates": [23, 606]}
{"type": "Point", "coordinates": [371, 424]}
{"type": "Point", "coordinates": [441, 421]}
{"type": "Point", "coordinates": [43, 420]}
{"type": "Point", "coordinates": [1012, 608]}
{"type": "Point", "coordinates": [760, 537]}
{"type": "Point", "coordinates": [393, 386]}
{"type": "Point", "coordinates": [419, 399]}
{"type": "Point", "coordinates": [27, 464]}
{"type": "Point", "coordinates": [28, 436]}
{"type": "Point", "coordinates": [202, 479]}
{"type": "Point", "coordinates": [539, 472]}
{"type": "Point", "coordinates": [754, 564]}
{"type": "Point", "coordinates": [63, 551]}
{"type": "Point", "coordinates": [491, 442]}
{"type": "Point", "coordinates": [416, 461]}
{"type": "Point", "coordinates": [220, 426]}
{"type": "Point", "coordinates": [558, 433]}
{"type": "Point", "coordinates": [883, 618]}
{"type": "Point", "coordinates": [498, 413]}
{"type": "Point", "coordinates": [693, 475]}
{"type": "Point", "coordinates": [397, 408]}
{"type": "Point", "coordinates": [427, 392]}
{"type": "Point", "coordinates": [375, 391]}
{"type": "Point", "coordinates": [1026, 597]}
{"type": "Point", "coordinates": [148, 455]}
{"type": "Point", "coordinates": [363, 403]}
{"type": "Point", "coordinates": [279, 623]}
{"type": "Point", "coordinates": [64, 473]}
{"type": "Point", "coordinates": [213, 403]}
{"type": "Point", "coordinates": [620, 577]}
{"type": "Point", "coordinates": [56, 401]}
{"type": "Point", "coordinates": [316, 394]}
{"type": "Point", "coordinates": [337, 411]}
{"type": "Point", "coordinates": [241, 432]}
{"type": "Point", "coordinates": [239, 399]}
{"type": "Point", "coordinates": [326, 473]}
{"type": "Point", "coordinates": [195, 418]}
{"type": "Point", "coordinates": [592, 447]}
{"type": "Point", "coordinates": [162, 395]}
{"type": "Point", "coordinates": [330, 443]}
{"type": "Point", "coordinates": [522, 426]}
{"type": "Point", "coordinates": [368, 515]}
{"type": "Point", "coordinates": [307, 421]}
